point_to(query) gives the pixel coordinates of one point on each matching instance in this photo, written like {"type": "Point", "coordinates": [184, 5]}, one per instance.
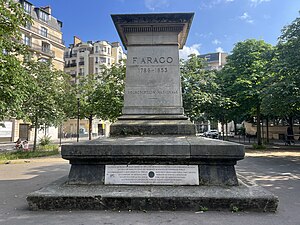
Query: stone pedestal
{"type": "Point", "coordinates": [214, 159]}
{"type": "Point", "coordinates": [153, 161]}
{"type": "Point", "coordinates": [153, 98]}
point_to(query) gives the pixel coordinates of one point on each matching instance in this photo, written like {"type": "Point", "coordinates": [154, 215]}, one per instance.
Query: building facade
{"type": "Point", "coordinates": [45, 42]}
{"type": "Point", "coordinates": [83, 58]}
{"type": "Point", "coordinates": [214, 61]}
{"type": "Point", "coordinates": [43, 36]}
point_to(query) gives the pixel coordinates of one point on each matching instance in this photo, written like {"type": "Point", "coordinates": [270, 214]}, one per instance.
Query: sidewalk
{"type": "Point", "coordinates": [278, 174]}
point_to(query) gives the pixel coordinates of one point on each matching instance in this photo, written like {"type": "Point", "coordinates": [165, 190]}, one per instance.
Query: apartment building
{"type": "Point", "coordinates": [82, 58]}
{"type": "Point", "coordinates": [214, 61]}
{"type": "Point", "coordinates": [43, 35]}
{"type": "Point", "coordinates": [44, 38]}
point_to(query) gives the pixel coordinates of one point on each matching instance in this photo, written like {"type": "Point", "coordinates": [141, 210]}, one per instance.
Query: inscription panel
{"type": "Point", "coordinates": [153, 77]}
{"type": "Point", "coordinates": [152, 174]}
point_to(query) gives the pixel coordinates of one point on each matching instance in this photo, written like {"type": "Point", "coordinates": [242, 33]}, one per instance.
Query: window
{"type": "Point", "coordinates": [27, 40]}
{"type": "Point", "coordinates": [27, 7]}
{"type": "Point", "coordinates": [108, 50]}
{"type": "Point", "coordinates": [97, 49]}
{"type": "Point", "coordinates": [28, 25]}
{"type": "Point", "coordinates": [104, 49]}
{"type": "Point", "coordinates": [102, 60]}
{"type": "Point", "coordinates": [108, 61]}
{"type": "Point", "coordinates": [96, 70]}
{"type": "Point", "coordinates": [96, 60]}
{"type": "Point", "coordinates": [44, 16]}
{"type": "Point", "coordinates": [45, 47]}
{"type": "Point", "coordinates": [44, 31]}
{"type": "Point", "coordinates": [81, 71]}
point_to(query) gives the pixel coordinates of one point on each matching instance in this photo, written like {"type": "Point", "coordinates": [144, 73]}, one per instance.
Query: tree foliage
{"type": "Point", "coordinates": [199, 88]}
{"type": "Point", "coordinates": [13, 77]}
{"type": "Point", "coordinates": [46, 104]}
{"type": "Point", "coordinates": [109, 92]}
{"type": "Point", "coordinates": [246, 75]}
{"type": "Point", "coordinates": [283, 96]}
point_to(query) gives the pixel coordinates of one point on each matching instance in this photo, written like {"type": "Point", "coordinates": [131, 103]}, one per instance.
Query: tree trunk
{"type": "Point", "coordinates": [235, 127]}
{"type": "Point", "coordinates": [222, 123]}
{"type": "Point", "coordinates": [35, 133]}
{"type": "Point", "coordinates": [267, 121]}
{"type": "Point", "coordinates": [291, 124]}
{"type": "Point", "coordinates": [226, 128]}
{"type": "Point", "coordinates": [258, 133]}
{"type": "Point", "coordinates": [90, 126]}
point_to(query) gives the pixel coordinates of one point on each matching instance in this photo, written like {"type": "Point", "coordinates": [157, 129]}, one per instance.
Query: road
{"type": "Point", "coordinates": [277, 171]}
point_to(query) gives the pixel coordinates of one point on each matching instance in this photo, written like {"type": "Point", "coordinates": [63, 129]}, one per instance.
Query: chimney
{"type": "Point", "coordinates": [77, 40]}
{"type": "Point", "coordinates": [47, 9]}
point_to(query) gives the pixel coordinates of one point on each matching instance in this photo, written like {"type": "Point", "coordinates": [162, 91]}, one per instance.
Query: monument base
{"type": "Point", "coordinates": [214, 159]}
{"type": "Point", "coordinates": [245, 197]}
{"type": "Point", "coordinates": [148, 126]}
{"type": "Point", "coordinates": [143, 173]}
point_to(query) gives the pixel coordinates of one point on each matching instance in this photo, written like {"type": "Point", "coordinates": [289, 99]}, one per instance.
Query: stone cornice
{"type": "Point", "coordinates": [156, 22]}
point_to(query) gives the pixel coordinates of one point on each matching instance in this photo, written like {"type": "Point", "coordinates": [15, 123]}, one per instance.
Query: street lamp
{"type": "Point", "coordinates": [78, 115]}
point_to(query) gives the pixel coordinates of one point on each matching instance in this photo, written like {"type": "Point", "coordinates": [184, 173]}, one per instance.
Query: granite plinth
{"type": "Point", "coordinates": [127, 127]}
{"type": "Point", "coordinates": [59, 195]}
{"type": "Point", "coordinates": [215, 158]}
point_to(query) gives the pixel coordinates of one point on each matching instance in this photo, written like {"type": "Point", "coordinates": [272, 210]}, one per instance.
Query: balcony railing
{"type": "Point", "coordinates": [42, 49]}
{"type": "Point", "coordinates": [81, 63]}
{"type": "Point", "coordinates": [70, 55]}
{"type": "Point", "coordinates": [46, 35]}
{"type": "Point", "coordinates": [71, 64]}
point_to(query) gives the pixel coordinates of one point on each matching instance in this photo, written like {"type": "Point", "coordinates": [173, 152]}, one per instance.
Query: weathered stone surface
{"type": "Point", "coordinates": [59, 195]}
{"type": "Point", "coordinates": [216, 159]}
{"type": "Point", "coordinates": [191, 147]}
{"type": "Point", "coordinates": [152, 127]}
{"type": "Point", "coordinates": [153, 85]}
{"type": "Point", "coordinates": [155, 22]}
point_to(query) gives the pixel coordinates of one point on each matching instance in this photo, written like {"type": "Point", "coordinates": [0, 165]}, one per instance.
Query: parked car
{"type": "Point", "coordinates": [212, 134]}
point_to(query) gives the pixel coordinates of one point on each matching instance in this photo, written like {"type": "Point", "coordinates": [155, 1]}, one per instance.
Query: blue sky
{"type": "Point", "coordinates": [217, 25]}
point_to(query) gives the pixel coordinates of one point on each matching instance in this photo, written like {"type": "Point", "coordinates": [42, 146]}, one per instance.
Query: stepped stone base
{"type": "Point", "coordinates": [59, 195]}
{"type": "Point", "coordinates": [152, 125]}
{"type": "Point", "coordinates": [219, 187]}
{"type": "Point", "coordinates": [215, 159]}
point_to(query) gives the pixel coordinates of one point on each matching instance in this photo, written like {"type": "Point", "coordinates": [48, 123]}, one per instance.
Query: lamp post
{"type": "Point", "coordinates": [78, 115]}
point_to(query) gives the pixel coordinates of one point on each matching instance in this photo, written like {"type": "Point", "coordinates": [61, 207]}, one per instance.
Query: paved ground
{"type": "Point", "coordinates": [277, 171]}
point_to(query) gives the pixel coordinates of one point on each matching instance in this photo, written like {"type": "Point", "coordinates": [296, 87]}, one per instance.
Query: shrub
{"type": "Point", "coordinates": [46, 140]}
{"type": "Point", "coordinates": [256, 146]}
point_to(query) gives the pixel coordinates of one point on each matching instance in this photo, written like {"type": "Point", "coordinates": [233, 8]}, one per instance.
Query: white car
{"type": "Point", "coordinates": [212, 134]}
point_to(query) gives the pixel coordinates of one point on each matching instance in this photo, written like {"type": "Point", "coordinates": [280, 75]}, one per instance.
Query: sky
{"type": "Point", "coordinates": [216, 27]}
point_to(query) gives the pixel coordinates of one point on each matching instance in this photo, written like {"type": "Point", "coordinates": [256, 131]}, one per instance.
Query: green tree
{"type": "Point", "coordinates": [246, 76]}
{"type": "Point", "coordinates": [45, 104]}
{"type": "Point", "coordinates": [13, 77]}
{"type": "Point", "coordinates": [282, 98]}
{"type": "Point", "coordinates": [109, 92]}
{"type": "Point", "coordinates": [199, 88]}
{"type": "Point", "coordinates": [88, 108]}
